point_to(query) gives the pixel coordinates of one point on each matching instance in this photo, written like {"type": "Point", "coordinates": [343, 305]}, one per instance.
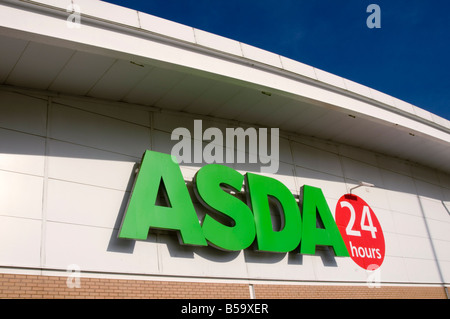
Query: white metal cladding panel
{"type": "Point", "coordinates": [93, 248]}
{"type": "Point", "coordinates": [21, 178]}
{"type": "Point", "coordinates": [21, 241]}
{"type": "Point", "coordinates": [85, 165]}
{"type": "Point", "coordinates": [78, 178]}
{"type": "Point", "coordinates": [21, 152]}
{"type": "Point", "coordinates": [113, 111]}
{"type": "Point", "coordinates": [333, 187]}
{"type": "Point", "coordinates": [21, 195]}
{"type": "Point", "coordinates": [98, 131]}
{"type": "Point", "coordinates": [316, 159]}
{"type": "Point", "coordinates": [84, 204]}
{"type": "Point", "coordinates": [23, 113]}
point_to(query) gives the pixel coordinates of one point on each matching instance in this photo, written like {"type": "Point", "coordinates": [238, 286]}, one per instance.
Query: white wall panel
{"type": "Point", "coordinates": [406, 224]}
{"type": "Point", "coordinates": [84, 204]}
{"type": "Point", "coordinates": [316, 143]}
{"type": "Point", "coordinates": [285, 173]}
{"type": "Point", "coordinates": [90, 166]}
{"type": "Point", "coordinates": [316, 159]}
{"type": "Point", "coordinates": [72, 125]}
{"type": "Point", "coordinates": [428, 191]}
{"type": "Point", "coordinates": [292, 266]}
{"type": "Point", "coordinates": [442, 249]}
{"type": "Point", "coordinates": [332, 186]}
{"type": "Point", "coordinates": [23, 113]}
{"type": "Point", "coordinates": [439, 230]}
{"type": "Point", "coordinates": [416, 247]}
{"type": "Point", "coordinates": [161, 142]}
{"type": "Point", "coordinates": [393, 245]}
{"type": "Point", "coordinates": [444, 180]}
{"type": "Point", "coordinates": [425, 174]}
{"type": "Point", "coordinates": [167, 122]}
{"type": "Point", "coordinates": [386, 219]}
{"type": "Point", "coordinates": [132, 114]}
{"type": "Point", "coordinates": [404, 202]}
{"type": "Point", "coordinates": [21, 242]}
{"type": "Point", "coordinates": [394, 165]}
{"type": "Point", "coordinates": [20, 152]}
{"type": "Point", "coordinates": [360, 171]}
{"type": "Point", "coordinates": [21, 195]}
{"type": "Point", "coordinates": [393, 270]}
{"type": "Point", "coordinates": [328, 268]}
{"type": "Point", "coordinates": [422, 271]}
{"type": "Point", "coordinates": [181, 260]}
{"type": "Point", "coordinates": [445, 270]}
{"type": "Point", "coordinates": [95, 249]}
{"type": "Point", "coordinates": [358, 154]}
{"type": "Point", "coordinates": [436, 210]}
{"type": "Point", "coordinates": [285, 150]}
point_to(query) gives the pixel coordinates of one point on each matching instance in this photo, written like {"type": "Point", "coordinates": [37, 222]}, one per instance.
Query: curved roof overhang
{"type": "Point", "coordinates": [119, 54]}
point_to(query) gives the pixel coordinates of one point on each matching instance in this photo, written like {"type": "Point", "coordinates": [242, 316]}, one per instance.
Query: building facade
{"type": "Point", "coordinates": [88, 87]}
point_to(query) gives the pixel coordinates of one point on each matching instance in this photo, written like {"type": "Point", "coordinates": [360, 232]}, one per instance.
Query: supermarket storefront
{"type": "Point", "coordinates": [140, 158]}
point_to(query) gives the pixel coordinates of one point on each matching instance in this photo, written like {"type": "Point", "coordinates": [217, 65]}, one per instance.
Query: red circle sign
{"type": "Point", "coordinates": [361, 231]}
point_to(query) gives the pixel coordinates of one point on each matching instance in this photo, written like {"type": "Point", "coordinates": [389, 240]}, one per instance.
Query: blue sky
{"type": "Point", "coordinates": [408, 57]}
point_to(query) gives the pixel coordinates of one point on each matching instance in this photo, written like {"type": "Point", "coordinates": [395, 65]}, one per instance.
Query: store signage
{"type": "Point", "coordinates": [243, 223]}
{"type": "Point", "coordinates": [361, 231]}
{"type": "Point", "coordinates": [232, 225]}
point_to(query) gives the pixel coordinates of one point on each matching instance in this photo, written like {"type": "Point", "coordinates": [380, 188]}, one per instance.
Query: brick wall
{"type": "Point", "coordinates": [353, 292]}
{"type": "Point", "coordinates": [33, 286]}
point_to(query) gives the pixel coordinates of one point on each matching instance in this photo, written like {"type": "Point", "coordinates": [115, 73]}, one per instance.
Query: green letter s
{"type": "Point", "coordinates": [241, 231]}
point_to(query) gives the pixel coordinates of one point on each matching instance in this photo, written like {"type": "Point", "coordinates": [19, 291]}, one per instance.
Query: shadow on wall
{"type": "Point", "coordinates": [177, 250]}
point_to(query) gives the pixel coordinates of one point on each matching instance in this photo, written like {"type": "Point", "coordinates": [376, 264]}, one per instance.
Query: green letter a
{"type": "Point", "coordinates": [314, 203]}
{"type": "Point", "coordinates": [142, 212]}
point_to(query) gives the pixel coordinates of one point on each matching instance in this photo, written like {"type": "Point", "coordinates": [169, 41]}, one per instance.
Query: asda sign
{"type": "Point", "coordinates": [304, 226]}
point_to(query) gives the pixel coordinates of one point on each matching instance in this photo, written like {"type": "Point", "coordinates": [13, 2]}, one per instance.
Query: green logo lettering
{"type": "Point", "coordinates": [237, 229]}
{"type": "Point", "coordinates": [314, 204]}
{"type": "Point", "coordinates": [230, 224]}
{"type": "Point", "coordinates": [260, 188]}
{"type": "Point", "coordinates": [142, 212]}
